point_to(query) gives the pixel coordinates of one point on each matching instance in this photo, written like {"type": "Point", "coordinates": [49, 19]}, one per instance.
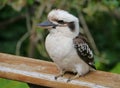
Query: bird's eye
{"type": "Point", "coordinates": [60, 21]}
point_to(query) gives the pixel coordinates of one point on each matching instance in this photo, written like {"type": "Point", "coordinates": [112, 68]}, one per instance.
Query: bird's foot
{"type": "Point", "coordinates": [60, 75]}
{"type": "Point", "coordinates": [74, 77]}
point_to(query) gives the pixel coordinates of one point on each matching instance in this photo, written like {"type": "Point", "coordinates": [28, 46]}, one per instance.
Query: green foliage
{"type": "Point", "coordinates": [116, 69]}
{"type": "Point", "coordinates": [4, 83]}
{"type": "Point", "coordinates": [112, 4]}
{"type": "Point", "coordinates": [106, 35]}
{"type": "Point", "coordinates": [30, 2]}
{"type": "Point", "coordinates": [9, 32]}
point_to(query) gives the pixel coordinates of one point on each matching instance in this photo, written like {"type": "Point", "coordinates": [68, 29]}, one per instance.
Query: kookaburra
{"type": "Point", "coordinates": [66, 46]}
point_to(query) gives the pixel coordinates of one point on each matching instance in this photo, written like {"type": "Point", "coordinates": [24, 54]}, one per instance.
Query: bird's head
{"type": "Point", "coordinates": [61, 21]}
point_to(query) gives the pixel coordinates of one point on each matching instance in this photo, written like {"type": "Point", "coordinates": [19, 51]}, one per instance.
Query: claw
{"type": "Point", "coordinates": [60, 74]}
{"type": "Point", "coordinates": [56, 77]}
{"type": "Point", "coordinates": [74, 77]}
{"type": "Point", "coordinates": [68, 80]}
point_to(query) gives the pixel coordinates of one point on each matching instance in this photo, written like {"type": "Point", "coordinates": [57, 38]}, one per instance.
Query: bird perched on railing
{"type": "Point", "coordinates": [66, 46]}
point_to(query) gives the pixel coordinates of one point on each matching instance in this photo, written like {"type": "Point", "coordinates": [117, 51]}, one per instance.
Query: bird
{"type": "Point", "coordinates": [67, 47]}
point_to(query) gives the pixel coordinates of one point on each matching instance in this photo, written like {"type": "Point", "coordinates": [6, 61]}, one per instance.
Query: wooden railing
{"type": "Point", "coordinates": [42, 73]}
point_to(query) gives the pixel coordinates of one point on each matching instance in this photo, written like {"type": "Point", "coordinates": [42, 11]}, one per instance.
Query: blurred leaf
{"type": "Point", "coordinates": [116, 69]}
{"type": "Point", "coordinates": [30, 2]}
{"type": "Point", "coordinates": [12, 84]}
{"type": "Point", "coordinates": [17, 4]}
{"type": "Point", "coordinates": [112, 4]}
{"type": "Point", "coordinates": [3, 3]}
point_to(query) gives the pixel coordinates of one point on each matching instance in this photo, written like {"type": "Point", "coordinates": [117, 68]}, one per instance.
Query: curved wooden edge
{"type": "Point", "coordinates": [42, 73]}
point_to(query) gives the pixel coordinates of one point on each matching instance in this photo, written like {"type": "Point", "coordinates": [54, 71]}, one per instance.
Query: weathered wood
{"type": "Point", "coordinates": [42, 73]}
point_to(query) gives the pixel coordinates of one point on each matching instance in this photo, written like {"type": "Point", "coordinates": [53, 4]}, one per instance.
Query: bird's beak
{"type": "Point", "coordinates": [47, 24]}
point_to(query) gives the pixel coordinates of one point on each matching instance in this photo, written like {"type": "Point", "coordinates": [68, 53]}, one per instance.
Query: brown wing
{"type": "Point", "coordinates": [83, 49]}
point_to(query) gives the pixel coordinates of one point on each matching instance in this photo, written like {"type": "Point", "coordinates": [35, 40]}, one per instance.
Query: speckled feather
{"type": "Point", "coordinates": [83, 49]}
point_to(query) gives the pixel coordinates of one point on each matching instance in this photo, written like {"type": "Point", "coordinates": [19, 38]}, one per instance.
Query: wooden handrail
{"type": "Point", "coordinates": [42, 73]}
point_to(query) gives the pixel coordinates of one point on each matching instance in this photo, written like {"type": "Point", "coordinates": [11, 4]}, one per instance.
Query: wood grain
{"type": "Point", "coordinates": [42, 73]}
